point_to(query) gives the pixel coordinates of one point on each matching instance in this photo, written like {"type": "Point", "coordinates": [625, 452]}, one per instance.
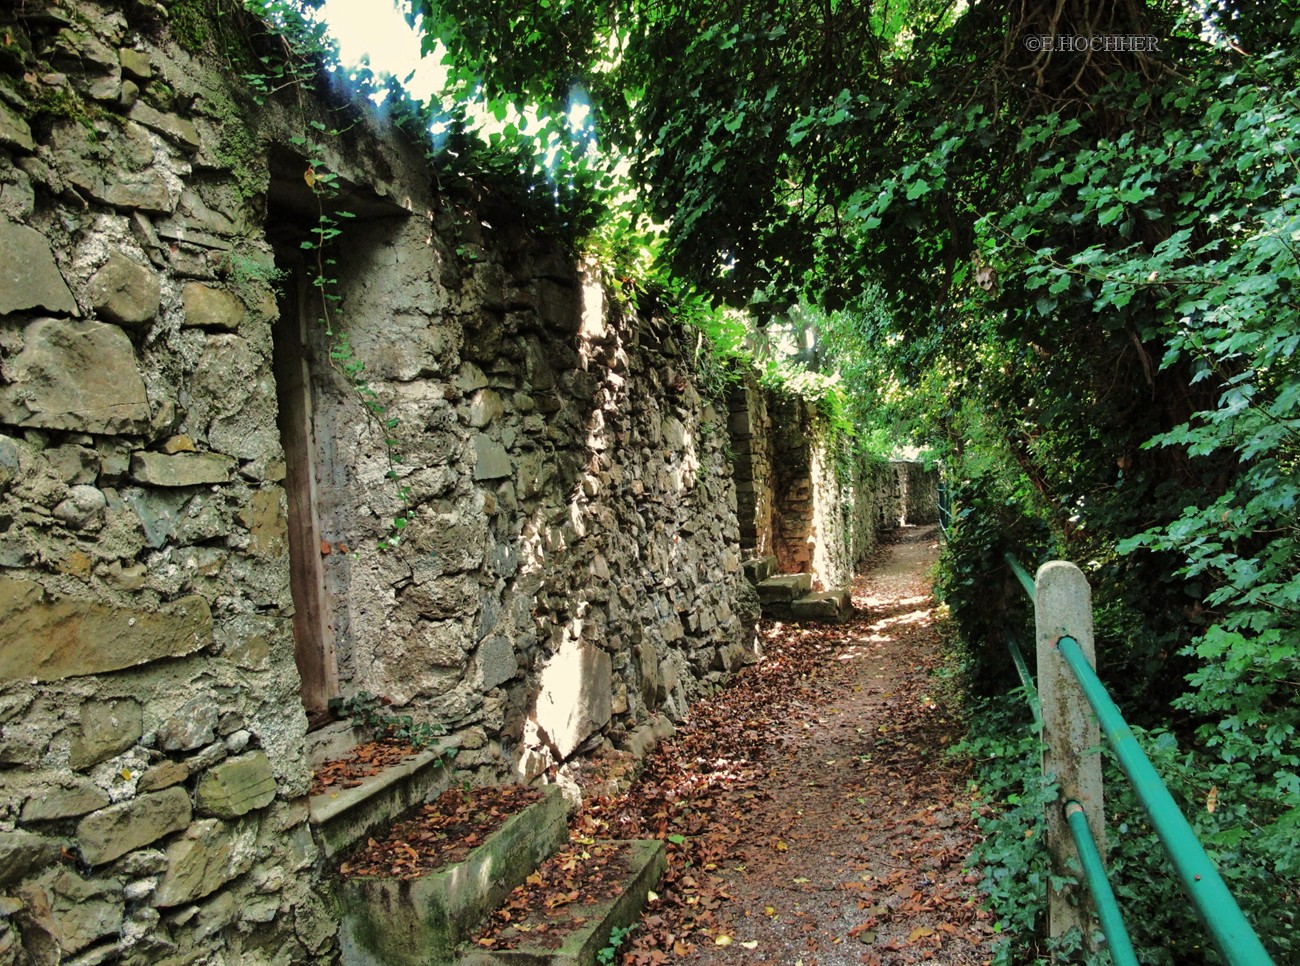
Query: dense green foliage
{"type": "Point", "coordinates": [1071, 274]}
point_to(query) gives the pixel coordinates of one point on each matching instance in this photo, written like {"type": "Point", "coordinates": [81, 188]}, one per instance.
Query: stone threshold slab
{"type": "Point", "coordinates": [647, 860]}
{"type": "Point", "coordinates": [784, 588]}
{"type": "Point", "coordinates": [342, 817]}
{"type": "Point", "coordinates": [412, 922]}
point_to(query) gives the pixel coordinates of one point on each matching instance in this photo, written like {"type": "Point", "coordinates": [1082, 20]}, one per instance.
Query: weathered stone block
{"type": "Point", "coordinates": [146, 191]}
{"type": "Point", "coordinates": [135, 63]}
{"type": "Point", "coordinates": [535, 472]}
{"type": "Point", "coordinates": [21, 852]}
{"type": "Point", "coordinates": [268, 527]}
{"type": "Point", "coordinates": [485, 408]}
{"type": "Point", "coordinates": [75, 465]}
{"type": "Point", "coordinates": [212, 308]}
{"type": "Point", "coordinates": [14, 132]}
{"type": "Point", "coordinates": [178, 444]}
{"type": "Point", "coordinates": [83, 509]}
{"type": "Point", "coordinates": [441, 598]}
{"type": "Point", "coordinates": [83, 910]}
{"type": "Point", "coordinates": [236, 787]}
{"type": "Point", "coordinates": [10, 462]}
{"type": "Point", "coordinates": [573, 700]}
{"type": "Point", "coordinates": [495, 663]}
{"type": "Point", "coordinates": [53, 637]}
{"type": "Point", "coordinates": [784, 588]}
{"type": "Point", "coordinates": [759, 569]}
{"type": "Point", "coordinates": [832, 605]}
{"type": "Point", "coordinates": [78, 376]}
{"type": "Point", "coordinates": [29, 277]}
{"type": "Point", "coordinates": [77, 797]}
{"type": "Point", "coordinates": [192, 725]}
{"type": "Point", "coordinates": [490, 459]}
{"type": "Point", "coordinates": [171, 126]}
{"type": "Point", "coordinates": [469, 378]}
{"type": "Point", "coordinates": [125, 292]}
{"type": "Point", "coordinates": [559, 305]}
{"type": "Point", "coordinates": [158, 512]}
{"type": "Point", "coordinates": [114, 831]}
{"type": "Point", "coordinates": [541, 377]}
{"type": "Point", "coordinates": [163, 775]}
{"type": "Point", "coordinates": [208, 856]}
{"type": "Point", "coordinates": [181, 469]}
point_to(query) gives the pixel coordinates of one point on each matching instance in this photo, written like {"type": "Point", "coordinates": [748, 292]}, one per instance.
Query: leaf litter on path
{"type": "Point", "coordinates": [808, 809]}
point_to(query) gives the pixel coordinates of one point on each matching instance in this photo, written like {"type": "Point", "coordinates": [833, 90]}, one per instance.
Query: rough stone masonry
{"type": "Point", "coordinates": [192, 497]}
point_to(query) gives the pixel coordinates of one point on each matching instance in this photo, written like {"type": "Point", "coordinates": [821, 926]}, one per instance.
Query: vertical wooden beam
{"type": "Point", "coordinates": [312, 636]}
{"type": "Point", "coordinates": [1063, 607]}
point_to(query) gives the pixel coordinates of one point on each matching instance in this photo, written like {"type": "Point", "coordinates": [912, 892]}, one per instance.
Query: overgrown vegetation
{"type": "Point", "coordinates": [371, 711]}
{"type": "Point", "coordinates": [301, 49]}
{"type": "Point", "coordinates": [1069, 272]}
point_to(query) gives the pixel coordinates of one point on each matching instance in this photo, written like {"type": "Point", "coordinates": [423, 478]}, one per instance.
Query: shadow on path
{"type": "Point", "coordinates": [810, 812]}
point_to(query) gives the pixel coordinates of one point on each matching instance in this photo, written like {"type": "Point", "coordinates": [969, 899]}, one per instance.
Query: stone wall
{"type": "Point", "coordinates": [188, 483]}
{"type": "Point", "coordinates": [920, 492]}
{"type": "Point", "coordinates": [793, 444]}
{"type": "Point", "coordinates": [807, 497]}
{"type": "Point", "coordinates": [752, 462]}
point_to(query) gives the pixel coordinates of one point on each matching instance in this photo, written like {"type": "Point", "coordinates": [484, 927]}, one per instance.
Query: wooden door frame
{"type": "Point", "coordinates": [313, 635]}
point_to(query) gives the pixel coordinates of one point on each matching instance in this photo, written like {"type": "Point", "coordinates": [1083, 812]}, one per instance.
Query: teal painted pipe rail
{"type": "Point", "coordinates": [1103, 897]}
{"type": "Point", "coordinates": [1022, 575]}
{"type": "Point", "coordinates": [1232, 934]}
{"type": "Point", "coordinates": [1027, 682]}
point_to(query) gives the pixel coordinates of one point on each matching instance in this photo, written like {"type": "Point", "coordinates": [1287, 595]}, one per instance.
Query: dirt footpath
{"type": "Point", "coordinates": [811, 814]}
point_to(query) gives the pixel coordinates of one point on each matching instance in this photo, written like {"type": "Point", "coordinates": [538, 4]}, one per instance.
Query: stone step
{"type": "Point", "coordinates": [405, 922]}
{"type": "Point", "coordinates": [784, 588]}
{"type": "Point", "coordinates": [646, 860]}
{"type": "Point", "coordinates": [342, 817]}
{"type": "Point", "coordinates": [759, 569]}
{"type": "Point", "coordinates": [334, 740]}
{"type": "Point", "coordinates": [831, 606]}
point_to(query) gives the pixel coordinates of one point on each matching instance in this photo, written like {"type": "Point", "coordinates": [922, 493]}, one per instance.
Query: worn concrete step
{"type": "Point", "coordinates": [342, 817]}
{"type": "Point", "coordinates": [646, 860]}
{"type": "Point", "coordinates": [784, 587]}
{"type": "Point", "coordinates": [334, 740]}
{"type": "Point", "coordinates": [758, 569]}
{"type": "Point", "coordinates": [830, 605]}
{"type": "Point", "coordinates": [414, 922]}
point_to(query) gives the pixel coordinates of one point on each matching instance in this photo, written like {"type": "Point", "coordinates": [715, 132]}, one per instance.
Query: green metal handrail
{"type": "Point", "coordinates": [1026, 680]}
{"type": "Point", "coordinates": [1218, 909]}
{"type": "Point", "coordinates": [1103, 897]}
{"type": "Point", "coordinates": [1022, 575]}
{"type": "Point", "coordinates": [1232, 934]}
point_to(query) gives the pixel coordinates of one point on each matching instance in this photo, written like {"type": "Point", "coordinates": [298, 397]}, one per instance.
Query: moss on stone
{"type": "Point", "coordinates": [219, 24]}
{"type": "Point", "coordinates": [190, 23]}
{"type": "Point", "coordinates": [63, 103]}
{"type": "Point", "coordinates": [239, 149]}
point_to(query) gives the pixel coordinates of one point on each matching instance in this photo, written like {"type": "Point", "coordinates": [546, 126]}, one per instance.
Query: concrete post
{"type": "Point", "coordinates": [1063, 607]}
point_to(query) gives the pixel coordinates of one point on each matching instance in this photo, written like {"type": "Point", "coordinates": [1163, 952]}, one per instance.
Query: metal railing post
{"type": "Point", "coordinates": [1063, 606]}
{"type": "Point", "coordinates": [1236, 941]}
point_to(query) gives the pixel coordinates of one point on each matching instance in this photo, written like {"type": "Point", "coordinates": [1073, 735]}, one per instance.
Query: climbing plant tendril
{"type": "Point", "coordinates": [303, 48]}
